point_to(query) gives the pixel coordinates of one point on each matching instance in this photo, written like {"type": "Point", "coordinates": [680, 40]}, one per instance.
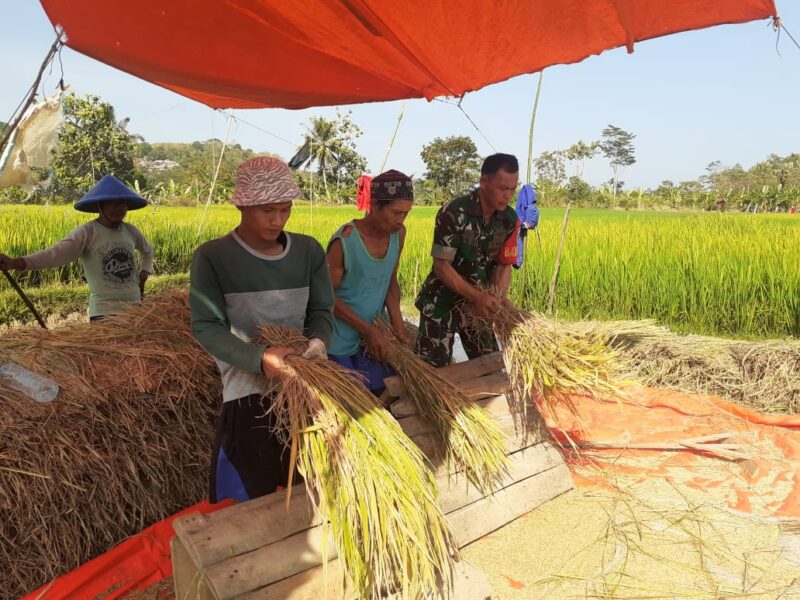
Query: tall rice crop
{"type": "Point", "coordinates": [723, 274]}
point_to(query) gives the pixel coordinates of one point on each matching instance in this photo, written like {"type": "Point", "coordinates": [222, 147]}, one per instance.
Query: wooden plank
{"type": "Point", "coordinates": [468, 583]}
{"type": "Point", "coordinates": [456, 373]}
{"type": "Point", "coordinates": [456, 492]}
{"type": "Point", "coordinates": [485, 386]}
{"type": "Point", "coordinates": [266, 565]}
{"type": "Point", "coordinates": [308, 585]}
{"type": "Point", "coordinates": [230, 532]}
{"type": "Point", "coordinates": [475, 387]}
{"type": "Point", "coordinates": [488, 514]}
{"type": "Point", "coordinates": [496, 404]}
{"type": "Point", "coordinates": [468, 523]}
{"type": "Point", "coordinates": [186, 576]}
{"type": "Point", "coordinates": [482, 365]}
{"type": "Point", "coordinates": [394, 386]}
{"type": "Point", "coordinates": [434, 452]}
{"type": "Point", "coordinates": [414, 426]}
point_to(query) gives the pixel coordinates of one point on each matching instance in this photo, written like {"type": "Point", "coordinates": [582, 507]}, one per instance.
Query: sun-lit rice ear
{"type": "Point", "coordinates": [471, 439]}
{"type": "Point", "coordinates": [547, 364]}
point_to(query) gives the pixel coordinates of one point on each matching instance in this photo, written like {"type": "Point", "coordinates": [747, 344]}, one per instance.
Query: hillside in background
{"type": "Point", "coordinates": [183, 173]}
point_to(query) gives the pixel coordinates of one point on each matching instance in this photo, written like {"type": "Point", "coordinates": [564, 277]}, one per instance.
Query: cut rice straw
{"type": "Point", "coordinates": [368, 480]}
{"type": "Point", "coordinates": [548, 364]}
{"type": "Point", "coordinates": [763, 375]}
{"type": "Point", "coordinates": [124, 444]}
{"type": "Point", "coordinates": [472, 440]}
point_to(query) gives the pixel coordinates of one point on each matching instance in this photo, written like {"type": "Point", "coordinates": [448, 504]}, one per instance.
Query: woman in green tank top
{"type": "Point", "coordinates": [362, 258]}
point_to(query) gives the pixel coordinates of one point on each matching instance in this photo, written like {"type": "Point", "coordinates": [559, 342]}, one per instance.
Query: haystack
{"type": "Point", "coordinates": [125, 444]}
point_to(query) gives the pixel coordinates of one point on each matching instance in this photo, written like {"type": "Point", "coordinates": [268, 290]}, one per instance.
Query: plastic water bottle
{"type": "Point", "coordinates": [38, 387]}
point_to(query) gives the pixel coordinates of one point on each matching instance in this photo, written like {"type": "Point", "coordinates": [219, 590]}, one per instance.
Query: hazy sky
{"type": "Point", "coordinates": [692, 98]}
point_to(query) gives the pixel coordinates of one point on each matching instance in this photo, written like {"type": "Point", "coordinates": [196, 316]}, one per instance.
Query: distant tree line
{"type": "Point", "coordinates": [92, 142]}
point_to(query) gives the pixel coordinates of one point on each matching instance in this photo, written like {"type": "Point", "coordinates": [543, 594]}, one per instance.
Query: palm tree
{"type": "Point", "coordinates": [323, 138]}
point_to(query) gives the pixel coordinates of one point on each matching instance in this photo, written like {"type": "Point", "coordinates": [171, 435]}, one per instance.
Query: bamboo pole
{"type": "Point", "coordinates": [394, 135]}
{"type": "Point", "coordinates": [25, 298]}
{"type": "Point", "coordinates": [533, 121]}
{"type": "Point", "coordinates": [216, 174]}
{"type": "Point", "coordinates": [557, 266]}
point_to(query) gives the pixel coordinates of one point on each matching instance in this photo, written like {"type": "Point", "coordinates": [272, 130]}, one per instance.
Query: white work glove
{"type": "Point", "coordinates": [316, 349]}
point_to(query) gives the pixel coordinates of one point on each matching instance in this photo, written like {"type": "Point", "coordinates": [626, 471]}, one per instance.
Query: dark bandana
{"type": "Point", "coordinates": [391, 185]}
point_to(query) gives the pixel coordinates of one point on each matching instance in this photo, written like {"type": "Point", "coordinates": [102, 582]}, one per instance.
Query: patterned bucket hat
{"type": "Point", "coordinates": [264, 180]}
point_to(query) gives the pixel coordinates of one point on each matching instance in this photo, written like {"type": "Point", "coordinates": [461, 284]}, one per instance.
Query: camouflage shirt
{"type": "Point", "coordinates": [472, 245]}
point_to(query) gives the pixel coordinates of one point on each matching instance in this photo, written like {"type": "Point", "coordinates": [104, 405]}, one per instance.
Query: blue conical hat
{"type": "Point", "coordinates": [109, 188]}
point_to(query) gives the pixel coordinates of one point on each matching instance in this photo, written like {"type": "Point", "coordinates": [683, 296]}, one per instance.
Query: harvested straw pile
{"type": "Point", "coordinates": [124, 444]}
{"type": "Point", "coordinates": [548, 363]}
{"type": "Point", "coordinates": [762, 375]}
{"type": "Point", "coordinates": [472, 440]}
{"type": "Point", "coordinates": [368, 480]}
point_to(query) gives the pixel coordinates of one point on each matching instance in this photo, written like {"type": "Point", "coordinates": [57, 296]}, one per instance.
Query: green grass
{"type": "Point", "coordinates": [735, 275]}
{"type": "Point", "coordinates": [64, 300]}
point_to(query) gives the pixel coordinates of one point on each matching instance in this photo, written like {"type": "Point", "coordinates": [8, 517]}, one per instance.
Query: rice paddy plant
{"type": "Point", "coordinates": [367, 478]}
{"type": "Point", "coordinates": [471, 439]}
{"type": "Point", "coordinates": [731, 274]}
{"type": "Point", "coordinates": [721, 274]}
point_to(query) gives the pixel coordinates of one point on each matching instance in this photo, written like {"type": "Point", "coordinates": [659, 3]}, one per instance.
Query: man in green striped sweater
{"type": "Point", "coordinates": [258, 273]}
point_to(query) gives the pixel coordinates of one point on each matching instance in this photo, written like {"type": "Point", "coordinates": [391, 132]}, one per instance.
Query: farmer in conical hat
{"type": "Point", "coordinates": [362, 258]}
{"type": "Point", "coordinates": [258, 273]}
{"type": "Point", "coordinates": [105, 246]}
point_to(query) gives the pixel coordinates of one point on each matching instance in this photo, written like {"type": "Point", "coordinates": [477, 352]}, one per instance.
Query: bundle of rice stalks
{"type": "Point", "coordinates": [123, 445]}
{"type": "Point", "coordinates": [546, 363]}
{"type": "Point", "coordinates": [472, 440]}
{"type": "Point", "coordinates": [368, 480]}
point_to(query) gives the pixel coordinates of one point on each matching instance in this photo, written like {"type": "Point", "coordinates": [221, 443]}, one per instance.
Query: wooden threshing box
{"type": "Point", "coordinates": [259, 550]}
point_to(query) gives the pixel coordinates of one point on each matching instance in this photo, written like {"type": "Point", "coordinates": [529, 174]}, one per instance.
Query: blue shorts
{"type": "Point", "coordinates": [374, 372]}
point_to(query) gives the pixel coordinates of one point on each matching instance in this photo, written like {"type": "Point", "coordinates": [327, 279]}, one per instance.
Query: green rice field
{"type": "Point", "coordinates": [733, 275]}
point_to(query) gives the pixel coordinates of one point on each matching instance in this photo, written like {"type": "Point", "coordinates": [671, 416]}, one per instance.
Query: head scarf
{"type": "Point", "coordinates": [391, 185]}
{"type": "Point", "coordinates": [264, 180]}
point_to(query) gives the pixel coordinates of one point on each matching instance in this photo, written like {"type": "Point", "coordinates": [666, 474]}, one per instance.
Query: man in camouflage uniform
{"type": "Point", "coordinates": [474, 246]}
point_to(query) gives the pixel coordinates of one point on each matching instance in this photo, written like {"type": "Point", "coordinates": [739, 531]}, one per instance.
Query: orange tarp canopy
{"type": "Point", "coordinates": [296, 54]}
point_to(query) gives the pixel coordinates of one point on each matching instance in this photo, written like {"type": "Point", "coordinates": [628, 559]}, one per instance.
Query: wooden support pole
{"type": "Point", "coordinates": [557, 266]}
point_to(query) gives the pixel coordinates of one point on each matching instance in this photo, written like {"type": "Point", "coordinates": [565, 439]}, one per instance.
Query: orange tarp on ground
{"type": "Point", "coordinates": [766, 484]}
{"type": "Point", "coordinates": [284, 53]}
{"type": "Point", "coordinates": [135, 564]}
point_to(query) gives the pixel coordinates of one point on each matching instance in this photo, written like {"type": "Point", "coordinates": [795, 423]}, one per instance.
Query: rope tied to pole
{"type": "Point", "coordinates": [216, 174]}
